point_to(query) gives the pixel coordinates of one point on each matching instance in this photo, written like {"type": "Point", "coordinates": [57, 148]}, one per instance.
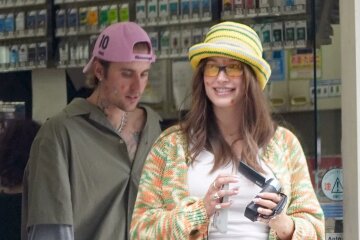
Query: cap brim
{"type": "Point", "coordinates": [205, 50]}
{"type": "Point", "coordinates": [88, 66]}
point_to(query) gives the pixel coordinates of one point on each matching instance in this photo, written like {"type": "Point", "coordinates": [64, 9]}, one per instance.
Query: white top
{"type": "Point", "coordinates": [238, 227]}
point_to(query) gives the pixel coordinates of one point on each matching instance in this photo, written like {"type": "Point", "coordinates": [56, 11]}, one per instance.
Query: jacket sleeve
{"type": "Point", "coordinates": [304, 207]}
{"type": "Point", "coordinates": [157, 216]}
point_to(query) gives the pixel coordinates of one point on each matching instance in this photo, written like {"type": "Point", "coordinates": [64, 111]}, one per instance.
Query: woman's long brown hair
{"type": "Point", "coordinates": [202, 132]}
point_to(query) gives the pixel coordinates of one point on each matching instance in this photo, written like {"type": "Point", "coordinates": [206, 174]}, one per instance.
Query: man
{"type": "Point", "coordinates": [84, 168]}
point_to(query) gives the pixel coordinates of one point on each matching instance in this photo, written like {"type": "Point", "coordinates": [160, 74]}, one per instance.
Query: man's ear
{"type": "Point", "coordinates": [98, 70]}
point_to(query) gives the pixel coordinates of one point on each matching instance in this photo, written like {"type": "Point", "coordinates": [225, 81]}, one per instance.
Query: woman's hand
{"type": "Point", "coordinates": [282, 223]}
{"type": "Point", "coordinates": [215, 194]}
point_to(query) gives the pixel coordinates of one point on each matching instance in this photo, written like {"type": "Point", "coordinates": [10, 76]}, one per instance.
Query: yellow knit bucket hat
{"type": "Point", "coordinates": [236, 41]}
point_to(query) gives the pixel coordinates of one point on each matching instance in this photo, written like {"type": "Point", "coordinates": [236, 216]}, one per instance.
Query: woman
{"type": "Point", "coordinates": [181, 188]}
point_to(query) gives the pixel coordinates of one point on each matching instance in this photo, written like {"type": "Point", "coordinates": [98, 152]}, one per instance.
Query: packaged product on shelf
{"type": "Point", "coordinates": [63, 53]}
{"type": "Point", "coordinates": [152, 12]}
{"type": "Point", "coordinates": [8, 3]}
{"type": "Point", "coordinates": [163, 12]}
{"type": "Point", "coordinates": [124, 12]}
{"type": "Point", "coordinates": [92, 41]}
{"type": "Point", "coordinates": [277, 35]}
{"type": "Point", "coordinates": [239, 6]}
{"type": "Point", "coordinates": [32, 54]}
{"type": "Point", "coordinates": [23, 54]}
{"type": "Point", "coordinates": [41, 22]}
{"type": "Point", "coordinates": [41, 54]}
{"type": "Point", "coordinates": [155, 90]}
{"type": "Point", "coordinates": [113, 13]}
{"type": "Point", "coordinates": [14, 55]}
{"type": "Point", "coordinates": [72, 21]}
{"type": "Point", "coordinates": [257, 29]}
{"type": "Point", "coordinates": [288, 6]}
{"type": "Point", "coordinates": [264, 7]}
{"type": "Point", "coordinates": [2, 24]}
{"type": "Point", "coordinates": [73, 57]}
{"type": "Point", "coordinates": [276, 6]}
{"type": "Point", "coordinates": [10, 24]}
{"type": "Point", "coordinates": [300, 5]}
{"type": "Point", "coordinates": [175, 43]}
{"type": "Point", "coordinates": [103, 16]}
{"type": "Point", "coordinates": [276, 60]}
{"type": "Point", "coordinates": [4, 56]}
{"type": "Point", "coordinates": [204, 31]}
{"type": "Point", "coordinates": [154, 38]}
{"type": "Point", "coordinates": [85, 52]}
{"type": "Point", "coordinates": [266, 35]}
{"type": "Point", "coordinates": [140, 12]}
{"type": "Point", "coordinates": [250, 6]}
{"type": "Point", "coordinates": [227, 5]}
{"type": "Point", "coordinates": [30, 22]}
{"type": "Point", "coordinates": [164, 43]}
{"type": "Point", "coordinates": [205, 9]}
{"type": "Point", "coordinates": [83, 13]}
{"type": "Point", "coordinates": [289, 34]}
{"type": "Point", "coordinates": [301, 33]}
{"type": "Point", "coordinates": [195, 10]}
{"type": "Point", "coordinates": [174, 11]}
{"type": "Point", "coordinates": [196, 35]}
{"type": "Point", "coordinates": [20, 23]}
{"type": "Point", "coordinates": [185, 10]}
{"type": "Point", "coordinates": [80, 51]}
{"type": "Point", "coordinates": [60, 22]}
{"type": "Point", "coordinates": [93, 19]}
{"type": "Point", "coordinates": [185, 41]}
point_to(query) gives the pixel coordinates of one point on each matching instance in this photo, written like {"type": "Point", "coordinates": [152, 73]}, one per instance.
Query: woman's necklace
{"type": "Point", "coordinates": [122, 123]}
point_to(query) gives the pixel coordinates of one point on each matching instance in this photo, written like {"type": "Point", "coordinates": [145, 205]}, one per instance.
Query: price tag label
{"type": "Point", "coordinates": [300, 7]}
{"type": "Point", "coordinates": [263, 11]}
{"type": "Point", "coordinates": [239, 11]}
{"type": "Point", "coordinates": [275, 10]}
{"type": "Point", "coordinates": [251, 12]}
{"type": "Point", "coordinates": [288, 9]}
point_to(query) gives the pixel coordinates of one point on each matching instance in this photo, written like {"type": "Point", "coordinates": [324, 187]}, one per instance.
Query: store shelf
{"type": "Point", "coordinates": [21, 4]}
{"type": "Point", "coordinates": [22, 66]}
{"type": "Point", "coordinates": [20, 35]}
{"type": "Point", "coordinates": [85, 3]}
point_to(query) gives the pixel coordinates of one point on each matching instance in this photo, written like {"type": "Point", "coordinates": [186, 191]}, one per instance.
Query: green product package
{"type": "Point", "coordinates": [124, 13]}
{"type": "Point", "coordinates": [103, 18]}
{"type": "Point", "coordinates": [112, 15]}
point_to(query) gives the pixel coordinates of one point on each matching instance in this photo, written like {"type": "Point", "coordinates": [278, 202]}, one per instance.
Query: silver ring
{"type": "Point", "coordinates": [218, 206]}
{"type": "Point", "coordinates": [216, 196]}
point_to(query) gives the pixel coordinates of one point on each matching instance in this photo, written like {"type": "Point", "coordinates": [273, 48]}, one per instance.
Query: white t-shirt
{"type": "Point", "coordinates": [239, 227]}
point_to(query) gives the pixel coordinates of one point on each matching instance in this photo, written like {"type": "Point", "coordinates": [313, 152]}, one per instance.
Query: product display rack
{"type": "Point", "coordinates": [25, 35]}
{"type": "Point", "coordinates": [78, 23]}
{"type": "Point", "coordinates": [72, 26]}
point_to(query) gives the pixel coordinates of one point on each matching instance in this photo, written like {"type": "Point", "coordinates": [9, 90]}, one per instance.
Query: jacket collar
{"type": "Point", "coordinates": [80, 106]}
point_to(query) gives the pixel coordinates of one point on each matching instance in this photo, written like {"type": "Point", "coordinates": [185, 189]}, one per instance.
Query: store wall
{"type": "Point", "coordinates": [49, 92]}
{"type": "Point", "coordinates": [350, 145]}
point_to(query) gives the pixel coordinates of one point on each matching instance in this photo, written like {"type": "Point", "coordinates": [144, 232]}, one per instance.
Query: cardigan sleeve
{"type": "Point", "coordinates": [304, 207]}
{"type": "Point", "coordinates": [157, 216]}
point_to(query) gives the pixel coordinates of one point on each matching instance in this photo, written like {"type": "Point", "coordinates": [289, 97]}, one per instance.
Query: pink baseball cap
{"type": "Point", "coordinates": [116, 44]}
